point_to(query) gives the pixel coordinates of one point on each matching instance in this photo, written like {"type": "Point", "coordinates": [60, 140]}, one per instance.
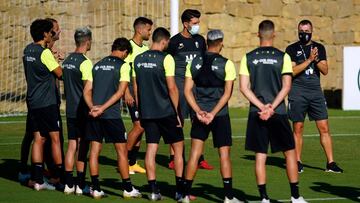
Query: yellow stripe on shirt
{"type": "Point", "coordinates": [243, 67]}
{"type": "Point", "coordinates": [86, 69]}
{"type": "Point", "coordinates": [287, 65]}
{"type": "Point", "coordinates": [230, 71]}
{"type": "Point", "coordinates": [169, 65]}
{"type": "Point", "coordinates": [125, 73]}
{"type": "Point", "coordinates": [188, 70]}
{"type": "Point", "coordinates": [49, 60]}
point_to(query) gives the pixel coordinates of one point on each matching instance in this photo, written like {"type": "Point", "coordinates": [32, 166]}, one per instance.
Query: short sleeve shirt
{"type": "Point", "coordinates": [310, 77]}
{"type": "Point", "coordinates": [38, 66]}
{"type": "Point", "coordinates": [265, 67]}
{"type": "Point", "coordinates": [184, 50]}
{"type": "Point", "coordinates": [76, 69]}
{"type": "Point", "coordinates": [151, 70]}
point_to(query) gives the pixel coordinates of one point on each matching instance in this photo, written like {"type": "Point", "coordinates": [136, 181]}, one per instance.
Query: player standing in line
{"type": "Point", "coordinates": [265, 80]}
{"type": "Point", "coordinates": [212, 77]}
{"type": "Point", "coordinates": [142, 28]}
{"type": "Point", "coordinates": [158, 99]}
{"type": "Point", "coordinates": [23, 175]}
{"type": "Point", "coordinates": [77, 71]}
{"type": "Point", "coordinates": [112, 74]}
{"type": "Point", "coordinates": [185, 46]}
{"type": "Point", "coordinates": [41, 69]}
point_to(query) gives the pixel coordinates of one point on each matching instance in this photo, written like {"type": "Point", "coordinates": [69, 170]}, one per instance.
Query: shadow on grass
{"type": "Point", "coordinates": [278, 162]}
{"type": "Point", "coordinates": [9, 169]}
{"type": "Point", "coordinates": [116, 183]}
{"type": "Point", "coordinates": [216, 194]}
{"type": "Point", "coordinates": [351, 193]}
{"type": "Point", "coordinates": [167, 189]}
{"type": "Point", "coordinates": [270, 161]}
{"type": "Point", "coordinates": [161, 160]}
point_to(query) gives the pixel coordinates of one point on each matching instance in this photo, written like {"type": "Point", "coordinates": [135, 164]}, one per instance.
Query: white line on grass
{"type": "Point", "coordinates": [312, 199]}
{"type": "Point", "coordinates": [234, 137]}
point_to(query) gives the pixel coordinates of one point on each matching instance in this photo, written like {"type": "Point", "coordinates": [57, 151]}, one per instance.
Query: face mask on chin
{"type": "Point", "coordinates": [194, 29]}
{"type": "Point", "coordinates": [304, 37]}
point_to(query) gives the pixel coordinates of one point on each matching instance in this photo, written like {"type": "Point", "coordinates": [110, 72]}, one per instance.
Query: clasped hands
{"type": "Point", "coordinates": [96, 111]}
{"type": "Point", "coordinates": [266, 112]}
{"type": "Point", "coordinates": [314, 55]}
{"type": "Point", "coordinates": [205, 117]}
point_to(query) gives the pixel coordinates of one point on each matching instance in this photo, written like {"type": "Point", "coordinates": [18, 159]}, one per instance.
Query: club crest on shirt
{"type": "Point", "coordinates": [181, 45]}
{"type": "Point", "coordinates": [298, 53]}
{"type": "Point", "coordinates": [197, 44]}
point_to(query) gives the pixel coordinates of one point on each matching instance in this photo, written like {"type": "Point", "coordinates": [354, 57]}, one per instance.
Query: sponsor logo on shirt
{"type": "Point", "coordinates": [146, 65]}
{"type": "Point", "coordinates": [30, 59]}
{"type": "Point", "coordinates": [265, 61]}
{"type": "Point", "coordinates": [104, 67]}
{"type": "Point", "coordinates": [198, 66]}
{"type": "Point", "coordinates": [189, 58]}
{"type": "Point", "coordinates": [69, 66]}
{"type": "Point", "coordinates": [309, 71]}
{"type": "Point", "coordinates": [214, 67]}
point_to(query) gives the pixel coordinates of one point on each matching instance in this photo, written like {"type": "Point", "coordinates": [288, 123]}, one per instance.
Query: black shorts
{"type": "Point", "coordinates": [162, 127]}
{"type": "Point", "coordinates": [220, 128]}
{"type": "Point", "coordinates": [113, 130]}
{"type": "Point", "coordinates": [44, 120]}
{"type": "Point", "coordinates": [307, 101]}
{"type": "Point", "coordinates": [76, 128]}
{"type": "Point", "coordinates": [276, 130]}
{"type": "Point", "coordinates": [134, 112]}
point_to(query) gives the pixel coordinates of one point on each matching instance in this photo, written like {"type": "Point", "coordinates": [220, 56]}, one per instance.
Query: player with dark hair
{"type": "Point", "coordinates": [212, 78]}
{"type": "Point", "coordinates": [41, 70]}
{"type": "Point", "coordinates": [77, 71]}
{"type": "Point", "coordinates": [112, 74]}
{"type": "Point", "coordinates": [306, 97]}
{"type": "Point", "coordinates": [23, 175]}
{"type": "Point", "coordinates": [185, 46]}
{"type": "Point", "coordinates": [265, 80]}
{"type": "Point", "coordinates": [142, 32]}
{"type": "Point", "coordinates": [158, 100]}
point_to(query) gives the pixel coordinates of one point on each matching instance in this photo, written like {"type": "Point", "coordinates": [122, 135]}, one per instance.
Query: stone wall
{"type": "Point", "coordinates": [336, 24]}
{"type": "Point", "coordinates": [108, 19]}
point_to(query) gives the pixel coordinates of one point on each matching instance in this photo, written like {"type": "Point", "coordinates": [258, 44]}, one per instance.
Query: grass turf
{"type": "Point", "coordinates": [315, 184]}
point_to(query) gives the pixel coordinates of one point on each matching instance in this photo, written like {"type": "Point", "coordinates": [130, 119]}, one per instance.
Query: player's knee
{"type": "Point", "coordinates": [324, 130]}
{"type": "Point", "coordinates": [298, 129]}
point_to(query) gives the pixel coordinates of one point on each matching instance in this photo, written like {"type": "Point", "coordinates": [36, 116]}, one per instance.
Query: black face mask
{"type": "Point", "coordinates": [304, 37]}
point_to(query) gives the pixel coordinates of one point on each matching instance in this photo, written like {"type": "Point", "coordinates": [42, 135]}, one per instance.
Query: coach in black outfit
{"type": "Point", "coordinates": [309, 62]}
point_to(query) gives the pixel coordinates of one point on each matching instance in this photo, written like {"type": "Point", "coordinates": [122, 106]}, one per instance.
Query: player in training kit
{"type": "Point", "coordinates": [265, 80]}
{"type": "Point", "coordinates": [158, 100]}
{"type": "Point", "coordinates": [142, 28]}
{"type": "Point", "coordinates": [185, 46]}
{"type": "Point", "coordinates": [41, 70]}
{"type": "Point", "coordinates": [212, 78]}
{"type": "Point", "coordinates": [309, 62]}
{"type": "Point", "coordinates": [23, 175]}
{"type": "Point", "coordinates": [112, 74]}
{"type": "Point", "coordinates": [77, 71]}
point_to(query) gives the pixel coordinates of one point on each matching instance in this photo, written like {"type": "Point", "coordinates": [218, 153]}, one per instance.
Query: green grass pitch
{"type": "Point", "coordinates": [315, 184]}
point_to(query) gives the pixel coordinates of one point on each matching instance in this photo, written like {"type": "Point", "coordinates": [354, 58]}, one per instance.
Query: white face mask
{"type": "Point", "coordinates": [194, 29]}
